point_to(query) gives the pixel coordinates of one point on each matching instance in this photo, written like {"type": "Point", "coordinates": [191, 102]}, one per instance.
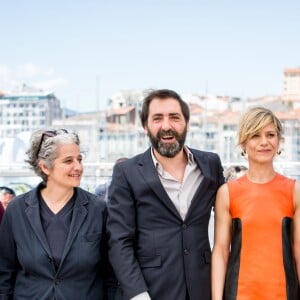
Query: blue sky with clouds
{"type": "Point", "coordinates": [85, 51]}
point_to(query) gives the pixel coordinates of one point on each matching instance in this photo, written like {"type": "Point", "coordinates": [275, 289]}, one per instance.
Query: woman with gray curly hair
{"type": "Point", "coordinates": [53, 240]}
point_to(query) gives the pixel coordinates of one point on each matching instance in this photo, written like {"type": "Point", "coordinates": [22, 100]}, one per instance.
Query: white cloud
{"type": "Point", "coordinates": [30, 70]}
{"type": "Point", "coordinates": [49, 72]}
{"type": "Point", "coordinates": [51, 84]}
{"type": "Point", "coordinates": [35, 76]}
{"type": "Point", "coordinates": [4, 71]}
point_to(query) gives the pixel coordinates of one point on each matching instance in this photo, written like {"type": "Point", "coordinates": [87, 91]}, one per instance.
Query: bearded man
{"type": "Point", "coordinates": [159, 206]}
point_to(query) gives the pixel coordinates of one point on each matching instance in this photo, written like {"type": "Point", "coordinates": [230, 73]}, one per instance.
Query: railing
{"type": "Point", "coordinates": [96, 173]}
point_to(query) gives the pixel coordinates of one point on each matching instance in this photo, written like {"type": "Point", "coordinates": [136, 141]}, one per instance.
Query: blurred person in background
{"type": "Point", "coordinates": [6, 195]}
{"type": "Point", "coordinates": [256, 253]}
{"type": "Point", "coordinates": [159, 206]}
{"type": "Point", "coordinates": [234, 172]}
{"type": "Point", "coordinates": [53, 238]}
{"type": "Point", "coordinates": [1, 212]}
{"type": "Point", "coordinates": [102, 189]}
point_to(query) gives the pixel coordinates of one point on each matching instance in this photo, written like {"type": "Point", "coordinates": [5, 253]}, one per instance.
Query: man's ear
{"type": "Point", "coordinates": [146, 130]}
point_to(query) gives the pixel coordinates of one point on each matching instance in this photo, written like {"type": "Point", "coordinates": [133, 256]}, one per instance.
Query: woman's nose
{"type": "Point", "coordinates": [78, 165]}
{"type": "Point", "coordinates": [263, 139]}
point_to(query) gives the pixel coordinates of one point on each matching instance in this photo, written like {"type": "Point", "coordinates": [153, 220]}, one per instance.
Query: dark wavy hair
{"type": "Point", "coordinates": [163, 94]}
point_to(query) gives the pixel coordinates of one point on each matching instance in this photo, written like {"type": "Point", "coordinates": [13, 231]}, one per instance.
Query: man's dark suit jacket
{"type": "Point", "coordinates": [26, 266]}
{"type": "Point", "coordinates": [151, 248]}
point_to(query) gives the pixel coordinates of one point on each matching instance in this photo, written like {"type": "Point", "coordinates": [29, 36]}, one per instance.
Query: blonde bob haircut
{"type": "Point", "coordinates": [254, 120]}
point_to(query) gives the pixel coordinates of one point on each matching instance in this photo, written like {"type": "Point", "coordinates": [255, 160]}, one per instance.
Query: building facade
{"type": "Point", "coordinates": [26, 110]}
{"type": "Point", "coordinates": [117, 132]}
{"type": "Point", "coordinates": [291, 84]}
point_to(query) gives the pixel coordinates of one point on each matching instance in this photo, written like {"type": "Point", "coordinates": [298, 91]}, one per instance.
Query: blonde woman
{"type": "Point", "coordinates": [256, 252]}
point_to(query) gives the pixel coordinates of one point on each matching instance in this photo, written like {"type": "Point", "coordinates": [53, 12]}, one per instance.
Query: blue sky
{"type": "Point", "coordinates": [87, 50]}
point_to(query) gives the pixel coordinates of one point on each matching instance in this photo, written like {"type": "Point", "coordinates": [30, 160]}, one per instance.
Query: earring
{"type": "Point", "coordinates": [243, 153]}
{"type": "Point", "coordinates": [278, 152]}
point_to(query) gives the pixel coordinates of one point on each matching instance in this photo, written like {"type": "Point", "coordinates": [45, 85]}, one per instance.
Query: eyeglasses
{"type": "Point", "coordinates": [49, 133]}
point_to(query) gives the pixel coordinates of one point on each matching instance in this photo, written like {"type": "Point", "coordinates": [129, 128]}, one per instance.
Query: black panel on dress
{"type": "Point", "coordinates": [292, 285]}
{"type": "Point", "coordinates": [231, 281]}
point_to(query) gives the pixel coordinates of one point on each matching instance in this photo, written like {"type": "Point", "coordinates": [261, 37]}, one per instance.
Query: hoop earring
{"type": "Point", "coordinates": [243, 153]}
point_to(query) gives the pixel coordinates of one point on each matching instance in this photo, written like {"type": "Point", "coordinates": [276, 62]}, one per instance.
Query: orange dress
{"type": "Point", "coordinates": [261, 264]}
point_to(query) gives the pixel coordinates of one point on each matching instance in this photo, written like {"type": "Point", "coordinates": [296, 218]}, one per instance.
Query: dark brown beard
{"type": "Point", "coordinates": [168, 149]}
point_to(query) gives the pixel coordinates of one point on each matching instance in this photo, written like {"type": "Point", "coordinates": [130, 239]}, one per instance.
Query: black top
{"type": "Point", "coordinates": [25, 268]}
{"type": "Point", "coordinates": [56, 227]}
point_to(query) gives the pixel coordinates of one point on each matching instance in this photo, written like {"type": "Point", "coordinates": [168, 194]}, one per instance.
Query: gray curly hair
{"type": "Point", "coordinates": [44, 147]}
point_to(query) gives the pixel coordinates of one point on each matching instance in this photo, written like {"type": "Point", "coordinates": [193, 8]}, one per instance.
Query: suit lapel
{"type": "Point", "coordinates": [79, 214]}
{"type": "Point", "coordinates": [198, 196]}
{"type": "Point", "coordinates": [207, 179]}
{"type": "Point", "coordinates": [33, 215]}
{"type": "Point", "coordinates": [149, 173]}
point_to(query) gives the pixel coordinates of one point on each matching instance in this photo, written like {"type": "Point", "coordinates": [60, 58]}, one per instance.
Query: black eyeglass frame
{"type": "Point", "coordinates": [49, 133]}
